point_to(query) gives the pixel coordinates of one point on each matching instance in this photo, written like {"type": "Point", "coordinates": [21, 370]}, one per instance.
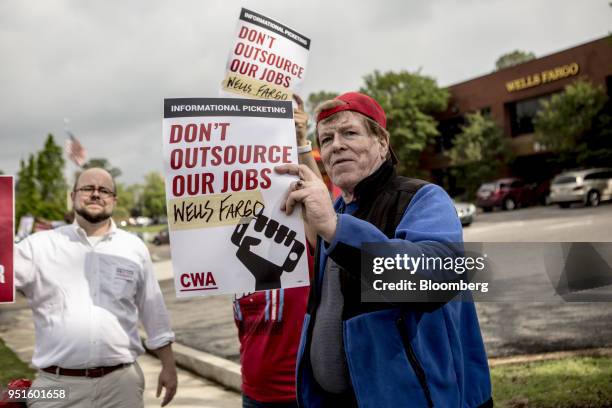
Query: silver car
{"type": "Point", "coordinates": [589, 187]}
{"type": "Point", "coordinates": [466, 213]}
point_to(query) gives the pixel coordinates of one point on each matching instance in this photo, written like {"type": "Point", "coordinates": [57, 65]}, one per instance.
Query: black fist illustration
{"type": "Point", "coordinates": [267, 274]}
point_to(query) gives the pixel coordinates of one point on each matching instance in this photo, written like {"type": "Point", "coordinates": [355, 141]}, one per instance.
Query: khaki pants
{"type": "Point", "coordinates": [122, 388]}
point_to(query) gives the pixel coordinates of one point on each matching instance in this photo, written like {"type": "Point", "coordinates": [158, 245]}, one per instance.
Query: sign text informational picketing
{"type": "Point", "coordinates": [227, 232]}
{"type": "Point", "coordinates": [267, 59]}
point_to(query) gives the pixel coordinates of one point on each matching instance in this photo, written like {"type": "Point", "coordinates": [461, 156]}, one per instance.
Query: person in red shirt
{"type": "Point", "coordinates": [269, 328]}
{"type": "Point", "coordinates": [270, 322]}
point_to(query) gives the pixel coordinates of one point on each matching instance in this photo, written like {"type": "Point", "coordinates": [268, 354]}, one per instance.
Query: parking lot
{"type": "Point", "coordinates": [509, 328]}
{"type": "Point", "coordinates": [543, 224]}
{"type": "Point", "coordinates": [521, 328]}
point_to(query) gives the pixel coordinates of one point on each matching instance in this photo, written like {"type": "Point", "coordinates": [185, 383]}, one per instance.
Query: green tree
{"type": "Point", "coordinates": [102, 163]}
{"type": "Point", "coordinates": [126, 201]}
{"type": "Point", "coordinates": [565, 119]}
{"type": "Point", "coordinates": [513, 58]}
{"type": "Point", "coordinates": [479, 152]}
{"type": "Point", "coordinates": [576, 124]}
{"type": "Point", "coordinates": [27, 196]}
{"type": "Point", "coordinates": [409, 100]}
{"type": "Point", "coordinates": [51, 181]}
{"type": "Point", "coordinates": [153, 195]}
{"type": "Point", "coordinates": [315, 98]}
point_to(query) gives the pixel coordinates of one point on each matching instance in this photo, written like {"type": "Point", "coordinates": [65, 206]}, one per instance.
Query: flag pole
{"type": "Point", "coordinates": [76, 154]}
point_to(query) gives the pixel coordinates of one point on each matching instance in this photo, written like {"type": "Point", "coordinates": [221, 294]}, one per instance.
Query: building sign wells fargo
{"type": "Point", "coordinates": [543, 77]}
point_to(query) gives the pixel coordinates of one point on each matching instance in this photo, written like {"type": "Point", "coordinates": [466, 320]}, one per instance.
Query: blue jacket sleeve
{"type": "Point", "coordinates": [428, 225]}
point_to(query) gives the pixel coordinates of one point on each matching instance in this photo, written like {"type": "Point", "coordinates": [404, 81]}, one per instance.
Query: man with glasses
{"type": "Point", "coordinates": [89, 284]}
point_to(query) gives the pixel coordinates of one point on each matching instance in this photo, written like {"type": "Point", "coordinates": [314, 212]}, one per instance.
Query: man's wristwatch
{"type": "Point", "coordinates": [306, 148]}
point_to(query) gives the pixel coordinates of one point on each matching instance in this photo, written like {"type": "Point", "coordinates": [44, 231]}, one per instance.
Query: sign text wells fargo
{"type": "Point", "coordinates": [543, 77]}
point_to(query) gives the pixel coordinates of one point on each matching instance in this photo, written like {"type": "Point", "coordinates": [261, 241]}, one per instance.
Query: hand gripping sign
{"type": "Point", "coordinates": [7, 288]}
{"type": "Point", "coordinates": [227, 233]}
{"type": "Point", "coordinates": [267, 59]}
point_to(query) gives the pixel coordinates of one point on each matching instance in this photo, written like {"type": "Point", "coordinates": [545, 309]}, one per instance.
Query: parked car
{"type": "Point", "coordinates": [466, 213]}
{"type": "Point", "coordinates": [589, 187]}
{"type": "Point", "coordinates": [509, 194]}
{"type": "Point", "coordinates": [162, 237]}
{"type": "Point", "coordinates": [144, 221]}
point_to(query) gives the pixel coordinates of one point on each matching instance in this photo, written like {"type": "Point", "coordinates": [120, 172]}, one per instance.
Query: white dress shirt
{"type": "Point", "coordinates": [87, 299]}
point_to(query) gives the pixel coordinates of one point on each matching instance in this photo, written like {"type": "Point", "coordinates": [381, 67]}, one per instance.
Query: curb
{"type": "Point", "coordinates": [206, 365]}
{"type": "Point", "coordinates": [555, 355]}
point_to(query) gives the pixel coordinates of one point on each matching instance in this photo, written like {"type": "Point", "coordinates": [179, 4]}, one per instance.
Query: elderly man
{"type": "Point", "coordinates": [354, 353]}
{"type": "Point", "coordinates": [89, 284]}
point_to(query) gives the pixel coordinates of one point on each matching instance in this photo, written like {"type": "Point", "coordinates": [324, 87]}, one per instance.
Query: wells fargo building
{"type": "Point", "coordinates": [512, 97]}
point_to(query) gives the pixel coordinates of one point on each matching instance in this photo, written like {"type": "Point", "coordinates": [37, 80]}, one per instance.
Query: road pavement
{"type": "Point", "coordinates": [206, 323]}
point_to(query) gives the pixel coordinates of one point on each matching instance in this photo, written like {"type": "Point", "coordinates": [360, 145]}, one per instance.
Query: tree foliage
{"type": "Point", "coordinates": [27, 196]}
{"type": "Point", "coordinates": [409, 100]}
{"type": "Point", "coordinates": [565, 120]}
{"type": "Point", "coordinates": [51, 182]}
{"type": "Point", "coordinates": [316, 98]}
{"type": "Point", "coordinates": [513, 58]}
{"type": "Point", "coordinates": [102, 163]}
{"type": "Point", "coordinates": [126, 201]}
{"type": "Point", "coordinates": [479, 152]}
{"type": "Point", "coordinates": [153, 197]}
{"type": "Point", "coordinates": [40, 189]}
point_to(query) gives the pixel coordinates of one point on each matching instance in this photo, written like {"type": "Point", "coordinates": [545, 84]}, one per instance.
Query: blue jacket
{"type": "Point", "coordinates": [403, 356]}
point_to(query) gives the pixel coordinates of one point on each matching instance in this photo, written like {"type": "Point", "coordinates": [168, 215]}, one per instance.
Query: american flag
{"type": "Point", "coordinates": [75, 150]}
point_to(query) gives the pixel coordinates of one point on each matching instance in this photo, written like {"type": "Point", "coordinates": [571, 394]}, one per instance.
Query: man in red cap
{"type": "Point", "coordinates": [355, 353]}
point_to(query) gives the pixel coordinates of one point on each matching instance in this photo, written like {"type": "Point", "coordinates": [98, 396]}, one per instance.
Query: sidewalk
{"type": "Point", "coordinates": [17, 330]}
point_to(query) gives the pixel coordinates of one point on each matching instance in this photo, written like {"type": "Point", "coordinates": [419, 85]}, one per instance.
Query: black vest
{"type": "Point", "coordinates": [382, 200]}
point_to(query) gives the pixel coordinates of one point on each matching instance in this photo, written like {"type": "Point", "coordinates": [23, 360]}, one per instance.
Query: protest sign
{"type": "Point", "coordinates": [7, 287]}
{"type": "Point", "coordinates": [267, 60]}
{"type": "Point", "coordinates": [227, 233]}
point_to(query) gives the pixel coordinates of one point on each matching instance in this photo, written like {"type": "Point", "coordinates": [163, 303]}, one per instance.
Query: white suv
{"type": "Point", "coordinates": [589, 187]}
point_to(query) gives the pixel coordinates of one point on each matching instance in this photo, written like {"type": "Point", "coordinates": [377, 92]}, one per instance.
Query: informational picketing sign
{"type": "Point", "coordinates": [7, 286]}
{"type": "Point", "coordinates": [227, 232]}
{"type": "Point", "coordinates": [267, 59]}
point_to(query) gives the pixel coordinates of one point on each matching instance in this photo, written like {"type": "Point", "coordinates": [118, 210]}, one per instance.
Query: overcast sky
{"type": "Point", "coordinates": [107, 65]}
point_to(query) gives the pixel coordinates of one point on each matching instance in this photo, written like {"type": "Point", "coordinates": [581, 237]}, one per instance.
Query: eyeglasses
{"type": "Point", "coordinates": [103, 192]}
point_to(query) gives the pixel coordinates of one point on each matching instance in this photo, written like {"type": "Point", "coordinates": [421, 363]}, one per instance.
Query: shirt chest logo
{"type": "Point", "coordinates": [125, 274]}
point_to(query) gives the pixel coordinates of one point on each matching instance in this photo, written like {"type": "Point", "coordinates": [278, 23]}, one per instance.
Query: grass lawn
{"type": "Point", "coordinates": [570, 382]}
{"type": "Point", "coordinates": [11, 367]}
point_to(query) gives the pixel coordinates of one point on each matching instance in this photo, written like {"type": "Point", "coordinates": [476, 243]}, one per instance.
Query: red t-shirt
{"type": "Point", "coordinates": [269, 327]}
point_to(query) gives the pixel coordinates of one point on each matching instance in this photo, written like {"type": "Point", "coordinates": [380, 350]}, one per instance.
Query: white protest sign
{"type": "Point", "coordinates": [227, 233]}
{"type": "Point", "coordinates": [267, 59]}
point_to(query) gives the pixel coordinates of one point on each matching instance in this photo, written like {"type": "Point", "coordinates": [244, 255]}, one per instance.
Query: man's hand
{"type": "Point", "coordinates": [312, 193]}
{"type": "Point", "coordinates": [168, 380]}
{"type": "Point", "coordinates": [167, 377]}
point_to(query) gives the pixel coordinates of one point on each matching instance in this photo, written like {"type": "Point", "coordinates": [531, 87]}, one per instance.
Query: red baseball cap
{"type": "Point", "coordinates": [364, 104]}
{"type": "Point", "coordinates": [358, 102]}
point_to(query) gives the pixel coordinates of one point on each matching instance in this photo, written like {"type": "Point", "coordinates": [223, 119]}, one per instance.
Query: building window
{"type": "Point", "coordinates": [522, 114]}
{"type": "Point", "coordinates": [448, 129]}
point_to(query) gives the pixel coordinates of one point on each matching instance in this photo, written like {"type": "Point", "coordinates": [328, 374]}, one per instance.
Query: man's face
{"type": "Point", "coordinates": [94, 196]}
{"type": "Point", "coordinates": [348, 150]}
